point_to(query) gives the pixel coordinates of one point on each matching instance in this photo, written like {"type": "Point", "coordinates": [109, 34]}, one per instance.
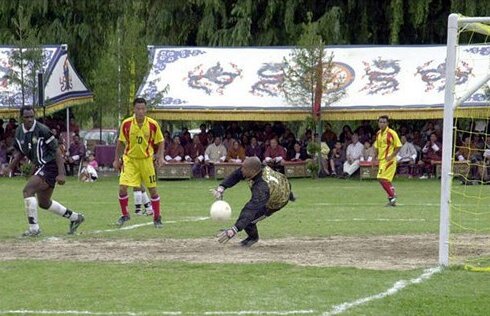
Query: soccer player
{"type": "Point", "coordinates": [387, 145]}
{"type": "Point", "coordinates": [36, 142]}
{"type": "Point", "coordinates": [137, 136]}
{"type": "Point", "coordinates": [271, 191]}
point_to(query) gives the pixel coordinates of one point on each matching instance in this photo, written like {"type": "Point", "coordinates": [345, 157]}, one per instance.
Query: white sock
{"type": "Point", "coordinates": [146, 201]}
{"type": "Point", "coordinates": [31, 212]}
{"type": "Point", "coordinates": [60, 210]}
{"type": "Point", "coordinates": [138, 198]}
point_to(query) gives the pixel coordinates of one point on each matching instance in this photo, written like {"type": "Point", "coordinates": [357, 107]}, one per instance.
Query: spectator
{"type": "Point", "coordinates": [236, 153]}
{"type": "Point", "coordinates": [3, 156]}
{"type": "Point", "coordinates": [10, 128]}
{"type": "Point", "coordinates": [92, 162]}
{"type": "Point", "coordinates": [329, 136]}
{"type": "Point", "coordinates": [214, 153]}
{"type": "Point", "coordinates": [337, 158]}
{"type": "Point", "coordinates": [254, 149]}
{"type": "Point", "coordinates": [275, 156]}
{"type": "Point", "coordinates": [74, 156]}
{"type": "Point", "coordinates": [203, 136]}
{"type": "Point", "coordinates": [175, 152]}
{"type": "Point", "coordinates": [368, 153]}
{"type": "Point", "coordinates": [298, 153]}
{"type": "Point", "coordinates": [353, 156]}
{"type": "Point", "coordinates": [365, 131]}
{"type": "Point", "coordinates": [431, 154]}
{"type": "Point", "coordinates": [407, 156]}
{"type": "Point", "coordinates": [228, 141]}
{"type": "Point", "coordinates": [194, 153]}
{"type": "Point", "coordinates": [88, 173]}
{"type": "Point", "coordinates": [346, 135]}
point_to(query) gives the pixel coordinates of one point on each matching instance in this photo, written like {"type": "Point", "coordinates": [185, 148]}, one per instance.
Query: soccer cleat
{"type": "Point", "coordinates": [74, 224]}
{"type": "Point", "coordinates": [139, 212]}
{"type": "Point", "coordinates": [31, 233]}
{"type": "Point", "coordinates": [391, 202]}
{"type": "Point", "coordinates": [148, 212]}
{"type": "Point", "coordinates": [249, 241]}
{"type": "Point", "coordinates": [120, 222]}
{"type": "Point", "coordinates": [158, 222]}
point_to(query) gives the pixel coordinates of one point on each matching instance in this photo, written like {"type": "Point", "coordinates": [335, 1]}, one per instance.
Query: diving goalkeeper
{"type": "Point", "coordinates": [271, 191]}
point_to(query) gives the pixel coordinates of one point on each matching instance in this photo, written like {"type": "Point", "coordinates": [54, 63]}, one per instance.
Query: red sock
{"type": "Point", "coordinates": [388, 187]}
{"type": "Point", "coordinates": [155, 203]}
{"type": "Point", "coordinates": [123, 202]}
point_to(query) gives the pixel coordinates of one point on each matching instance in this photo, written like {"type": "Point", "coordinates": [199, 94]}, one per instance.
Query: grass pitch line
{"type": "Point", "coordinates": [48, 312]}
{"type": "Point", "coordinates": [375, 204]}
{"type": "Point", "coordinates": [376, 220]}
{"type": "Point", "coordinates": [398, 286]}
{"type": "Point", "coordinates": [190, 219]}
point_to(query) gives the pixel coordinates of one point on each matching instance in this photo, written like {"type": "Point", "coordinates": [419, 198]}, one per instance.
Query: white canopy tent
{"type": "Point", "coordinates": [404, 82]}
{"type": "Point", "coordinates": [62, 85]}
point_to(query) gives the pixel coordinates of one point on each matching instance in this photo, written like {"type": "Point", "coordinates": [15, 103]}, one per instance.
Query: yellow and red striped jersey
{"type": "Point", "coordinates": [386, 142]}
{"type": "Point", "coordinates": [140, 141]}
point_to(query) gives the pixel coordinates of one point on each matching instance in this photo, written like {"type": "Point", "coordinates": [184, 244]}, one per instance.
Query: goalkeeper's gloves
{"type": "Point", "coordinates": [226, 234]}
{"type": "Point", "coordinates": [218, 192]}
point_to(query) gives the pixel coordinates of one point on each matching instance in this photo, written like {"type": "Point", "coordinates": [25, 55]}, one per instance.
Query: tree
{"type": "Point", "coordinates": [310, 77]}
{"type": "Point", "coordinates": [26, 59]}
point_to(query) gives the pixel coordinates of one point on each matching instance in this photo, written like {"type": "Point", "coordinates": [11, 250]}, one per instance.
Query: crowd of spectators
{"type": "Point", "coordinates": [275, 144]}
{"type": "Point", "coordinates": [341, 155]}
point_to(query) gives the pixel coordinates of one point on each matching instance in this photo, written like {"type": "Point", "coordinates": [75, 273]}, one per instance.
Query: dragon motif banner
{"type": "Point", "coordinates": [381, 77]}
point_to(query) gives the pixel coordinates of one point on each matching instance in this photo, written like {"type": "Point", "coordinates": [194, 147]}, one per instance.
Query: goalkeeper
{"type": "Point", "coordinates": [271, 191]}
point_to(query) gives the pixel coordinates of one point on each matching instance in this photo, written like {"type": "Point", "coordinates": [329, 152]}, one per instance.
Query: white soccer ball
{"type": "Point", "coordinates": [220, 211]}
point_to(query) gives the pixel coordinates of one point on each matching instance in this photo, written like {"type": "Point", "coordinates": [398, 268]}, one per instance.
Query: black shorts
{"type": "Point", "coordinates": [48, 173]}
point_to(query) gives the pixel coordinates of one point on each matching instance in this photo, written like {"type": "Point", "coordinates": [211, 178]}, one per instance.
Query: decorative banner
{"type": "Point", "coordinates": [63, 87]}
{"type": "Point", "coordinates": [373, 77]}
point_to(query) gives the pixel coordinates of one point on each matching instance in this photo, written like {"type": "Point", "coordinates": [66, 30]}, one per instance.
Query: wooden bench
{"type": "Point", "coordinates": [368, 170]}
{"type": "Point", "coordinates": [175, 170]}
{"type": "Point", "coordinates": [295, 169]}
{"type": "Point", "coordinates": [459, 169]}
{"type": "Point", "coordinates": [224, 169]}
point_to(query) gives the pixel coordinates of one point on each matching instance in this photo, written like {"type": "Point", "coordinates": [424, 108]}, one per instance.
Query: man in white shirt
{"type": "Point", "coordinates": [407, 156]}
{"type": "Point", "coordinates": [215, 153]}
{"type": "Point", "coordinates": [353, 155]}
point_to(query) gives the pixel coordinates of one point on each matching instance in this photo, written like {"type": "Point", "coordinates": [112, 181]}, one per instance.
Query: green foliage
{"type": "Point", "coordinates": [26, 58]}
{"type": "Point", "coordinates": [308, 73]}
{"type": "Point", "coordinates": [26, 168]}
{"type": "Point", "coordinates": [91, 30]}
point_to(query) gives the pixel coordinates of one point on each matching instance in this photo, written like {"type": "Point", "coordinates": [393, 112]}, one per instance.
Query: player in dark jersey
{"type": "Point", "coordinates": [36, 142]}
{"type": "Point", "coordinates": [271, 191]}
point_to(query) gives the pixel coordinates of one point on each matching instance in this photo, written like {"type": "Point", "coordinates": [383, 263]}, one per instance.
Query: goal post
{"type": "Point", "coordinates": [456, 25]}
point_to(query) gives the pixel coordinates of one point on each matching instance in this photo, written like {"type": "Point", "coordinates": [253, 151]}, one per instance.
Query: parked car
{"type": "Point", "coordinates": [96, 136]}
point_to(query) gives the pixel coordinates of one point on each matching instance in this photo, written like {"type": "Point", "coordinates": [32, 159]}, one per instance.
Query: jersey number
{"type": "Point", "coordinates": [139, 139]}
{"type": "Point", "coordinates": [153, 178]}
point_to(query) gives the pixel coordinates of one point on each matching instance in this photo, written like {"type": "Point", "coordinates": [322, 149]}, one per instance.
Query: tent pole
{"type": "Point", "coordinates": [67, 128]}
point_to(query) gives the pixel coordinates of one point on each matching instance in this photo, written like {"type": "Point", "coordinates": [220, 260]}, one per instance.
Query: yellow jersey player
{"type": "Point", "coordinates": [271, 191]}
{"type": "Point", "coordinates": [387, 145]}
{"type": "Point", "coordinates": [138, 136]}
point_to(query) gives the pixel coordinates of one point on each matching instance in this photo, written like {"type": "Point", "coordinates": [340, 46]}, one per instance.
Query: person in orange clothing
{"type": "Point", "coordinates": [236, 153]}
{"type": "Point", "coordinates": [387, 145]}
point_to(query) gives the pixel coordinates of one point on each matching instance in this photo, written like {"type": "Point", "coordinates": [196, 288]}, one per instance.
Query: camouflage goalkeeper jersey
{"type": "Point", "coordinates": [279, 188]}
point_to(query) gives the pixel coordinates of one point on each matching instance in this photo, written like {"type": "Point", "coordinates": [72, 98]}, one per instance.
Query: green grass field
{"type": "Point", "coordinates": [54, 280]}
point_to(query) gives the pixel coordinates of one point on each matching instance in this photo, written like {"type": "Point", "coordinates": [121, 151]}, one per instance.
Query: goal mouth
{"type": "Point", "coordinates": [464, 234]}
